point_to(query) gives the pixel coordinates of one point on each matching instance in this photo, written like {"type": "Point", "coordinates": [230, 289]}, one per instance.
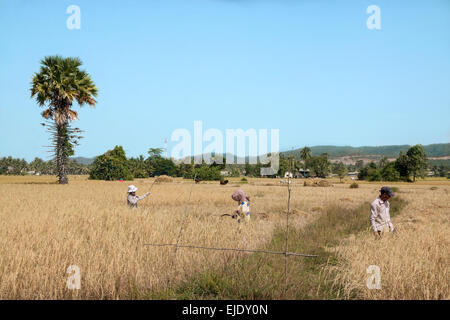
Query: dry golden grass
{"type": "Point", "coordinates": [414, 262]}
{"type": "Point", "coordinates": [46, 227]}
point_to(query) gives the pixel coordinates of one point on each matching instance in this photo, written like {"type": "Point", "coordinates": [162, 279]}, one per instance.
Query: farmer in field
{"type": "Point", "coordinates": [243, 210]}
{"type": "Point", "coordinates": [132, 198]}
{"type": "Point", "coordinates": [380, 219]}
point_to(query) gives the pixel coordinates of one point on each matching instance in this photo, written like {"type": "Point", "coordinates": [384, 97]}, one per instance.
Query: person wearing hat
{"type": "Point", "coordinates": [132, 198]}
{"type": "Point", "coordinates": [380, 219]}
{"type": "Point", "coordinates": [243, 210]}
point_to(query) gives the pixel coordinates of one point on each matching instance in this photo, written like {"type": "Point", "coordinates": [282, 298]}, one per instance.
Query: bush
{"type": "Point", "coordinates": [354, 185]}
{"type": "Point", "coordinates": [244, 180]}
{"type": "Point", "coordinates": [205, 173]}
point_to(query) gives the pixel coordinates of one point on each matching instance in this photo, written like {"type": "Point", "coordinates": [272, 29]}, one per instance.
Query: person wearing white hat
{"type": "Point", "coordinates": [132, 198]}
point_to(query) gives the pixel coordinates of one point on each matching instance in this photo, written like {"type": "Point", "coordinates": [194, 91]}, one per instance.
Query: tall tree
{"type": "Point", "coordinates": [58, 84]}
{"type": "Point", "coordinates": [417, 161]}
{"type": "Point", "coordinates": [305, 153]}
{"type": "Point", "coordinates": [402, 165]}
{"type": "Point", "coordinates": [320, 165]}
{"type": "Point", "coordinates": [155, 152]}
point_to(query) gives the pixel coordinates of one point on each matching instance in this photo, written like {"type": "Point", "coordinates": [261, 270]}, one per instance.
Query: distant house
{"type": "Point", "coordinates": [31, 172]}
{"type": "Point", "coordinates": [352, 174]}
{"type": "Point", "coordinates": [288, 174]}
{"type": "Point", "coordinates": [225, 173]}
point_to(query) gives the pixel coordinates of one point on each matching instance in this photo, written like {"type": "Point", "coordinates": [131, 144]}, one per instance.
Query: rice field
{"type": "Point", "coordinates": [45, 228]}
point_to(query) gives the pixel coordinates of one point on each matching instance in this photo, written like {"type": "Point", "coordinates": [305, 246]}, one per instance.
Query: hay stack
{"type": "Point", "coordinates": [163, 178]}
{"type": "Point", "coordinates": [317, 183]}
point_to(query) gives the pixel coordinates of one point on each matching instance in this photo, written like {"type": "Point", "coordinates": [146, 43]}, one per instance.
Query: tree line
{"type": "Point", "coordinates": [13, 166]}
{"type": "Point", "coordinates": [114, 165]}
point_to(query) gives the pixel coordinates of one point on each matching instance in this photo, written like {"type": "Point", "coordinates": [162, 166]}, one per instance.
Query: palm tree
{"type": "Point", "coordinates": [305, 153]}
{"type": "Point", "coordinates": [58, 83]}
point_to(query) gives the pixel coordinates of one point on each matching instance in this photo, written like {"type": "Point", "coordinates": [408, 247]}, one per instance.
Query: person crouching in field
{"type": "Point", "coordinates": [132, 198]}
{"type": "Point", "coordinates": [243, 211]}
{"type": "Point", "coordinates": [380, 219]}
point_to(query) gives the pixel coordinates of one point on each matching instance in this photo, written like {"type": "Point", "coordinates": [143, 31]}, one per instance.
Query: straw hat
{"type": "Point", "coordinates": [132, 188]}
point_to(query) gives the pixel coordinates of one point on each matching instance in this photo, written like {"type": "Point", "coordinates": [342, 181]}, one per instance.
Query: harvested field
{"type": "Point", "coordinates": [47, 227]}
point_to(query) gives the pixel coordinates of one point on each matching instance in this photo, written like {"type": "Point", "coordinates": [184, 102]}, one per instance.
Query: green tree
{"type": "Point", "coordinates": [341, 170]}
{"type": "Point", "coordinates": [164, 166]}
{"type": "Point", "coordinates": [58, 84]}
{"type": "Point", "coordinates": [37, 165]}
{"type": "Point", "coordinates": [320, 165]}
{"type": "Point", "coordinates": [112, 165]}
{"type": "Point", "coordinates": [283, 165]}
{"type": "Point", "coordinates": [374, 174]}
{"type": "Point", "coordinates": [155, 152]}
{"type": "Point", "coordinates": [305, 154]}
{"type": "Point", "coordinates": [138, 167]}
{"type": "Point", "coordinates": [417, 161]}
{"type": "Point", "coordinates": [402, 165]}
{"type": "Point", "coordinates": [390, 173]}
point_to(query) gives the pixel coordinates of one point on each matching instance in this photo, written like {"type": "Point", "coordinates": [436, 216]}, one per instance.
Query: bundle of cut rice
{"type": "Point", "coordinates": [163, 178]}
{"type": "Point", "coordinates": [317, 183]}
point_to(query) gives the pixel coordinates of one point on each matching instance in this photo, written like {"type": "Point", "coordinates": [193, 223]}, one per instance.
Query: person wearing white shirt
{"type": "Point", "coordinates": [380, 218]}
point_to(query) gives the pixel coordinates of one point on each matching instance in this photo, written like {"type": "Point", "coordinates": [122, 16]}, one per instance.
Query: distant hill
{"type": "Point", "coordinates": [432, 150]}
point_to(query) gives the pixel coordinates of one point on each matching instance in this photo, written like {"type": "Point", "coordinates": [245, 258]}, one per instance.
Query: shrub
{"type": "Point", "coordinates": [205, 173]}
{"type": "Point", "coordinates": [354, 185]}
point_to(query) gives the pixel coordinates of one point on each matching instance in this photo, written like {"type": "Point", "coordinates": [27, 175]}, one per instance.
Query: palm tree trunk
{"type": "Point", "coordinates": [61, 156]}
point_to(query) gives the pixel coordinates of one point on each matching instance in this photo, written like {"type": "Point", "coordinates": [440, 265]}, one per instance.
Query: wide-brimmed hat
{"type": "Point", "coordinates": [132, 188]}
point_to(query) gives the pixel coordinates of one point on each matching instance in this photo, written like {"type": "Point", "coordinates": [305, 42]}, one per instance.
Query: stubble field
{"type": "Point", "coordinates": [45, 228]}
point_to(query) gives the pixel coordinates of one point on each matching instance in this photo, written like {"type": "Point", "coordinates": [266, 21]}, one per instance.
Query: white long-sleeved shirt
{"type": "Point", "coordinates": [379, 215]}
{"type": "Point", "coordinates": [133, 200]}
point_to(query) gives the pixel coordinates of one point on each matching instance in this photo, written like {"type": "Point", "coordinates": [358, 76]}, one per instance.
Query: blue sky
{"type": "Point", "coordinates": [309, 68]}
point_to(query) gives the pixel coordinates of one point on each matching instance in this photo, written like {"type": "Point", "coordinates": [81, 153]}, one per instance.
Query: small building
{"type": "Point", "coordinates": [304, 173]}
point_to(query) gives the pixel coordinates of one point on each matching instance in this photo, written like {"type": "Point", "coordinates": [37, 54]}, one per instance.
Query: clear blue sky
{"type": "Point", "coordinates": [309, 68]}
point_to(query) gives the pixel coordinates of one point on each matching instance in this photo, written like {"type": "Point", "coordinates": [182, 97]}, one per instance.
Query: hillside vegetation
{"type": "Point", "coordinates": [432, 150]}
